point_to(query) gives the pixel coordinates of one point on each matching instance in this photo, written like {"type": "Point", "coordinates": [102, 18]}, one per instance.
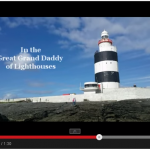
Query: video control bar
{"type": "Point", "coordinates": [134, 137]}
{"type": "Point", "coordinates": [98, 137]}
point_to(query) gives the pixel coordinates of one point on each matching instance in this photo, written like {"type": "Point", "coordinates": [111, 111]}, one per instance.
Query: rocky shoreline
{"type": "Point", "coordinates": [106, 111]}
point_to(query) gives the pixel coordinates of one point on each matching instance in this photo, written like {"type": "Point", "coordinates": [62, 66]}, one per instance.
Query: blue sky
{"type": "Point", "coordinates": [75, 39]}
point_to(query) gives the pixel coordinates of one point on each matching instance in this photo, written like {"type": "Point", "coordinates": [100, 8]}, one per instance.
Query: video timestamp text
{"type": "Point", "coordinates": [6, 143]}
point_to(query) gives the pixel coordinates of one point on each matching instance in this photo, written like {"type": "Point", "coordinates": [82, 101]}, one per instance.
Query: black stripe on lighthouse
{"type": "Point", "coordinates": [107, 76]}
{"type": "Point", "coordinates": [105, 55]}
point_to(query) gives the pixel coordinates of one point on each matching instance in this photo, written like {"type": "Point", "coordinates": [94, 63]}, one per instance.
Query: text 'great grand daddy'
{"type": "Point", "coordinates": [37, 58]}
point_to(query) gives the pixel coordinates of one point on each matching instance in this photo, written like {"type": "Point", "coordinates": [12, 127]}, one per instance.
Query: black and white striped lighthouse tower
{"type": "Point", "coordinates": [106, 63]}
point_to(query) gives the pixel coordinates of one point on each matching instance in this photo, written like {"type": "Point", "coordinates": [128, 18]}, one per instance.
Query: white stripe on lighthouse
{"type": "Point", "coordinates": [107, 65]}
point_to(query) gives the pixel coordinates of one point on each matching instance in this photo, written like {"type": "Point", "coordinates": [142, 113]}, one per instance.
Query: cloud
{"type": "Point", "coordinates": [69, 22]}
{"type": "Point", "coordinates": [8, 93]}
{"type": "Point", "coordinates": [36, 84]}
{"type": "Point", "coordinates": [20, 60]}
{"type": "Point", "coordinates": [127, 33]}
{"type": "Point", "coordinates": [134, 56]}
{"type": "Point", "coordinates": [62, 90]}
{"type": "Point", "coordinates": [13, 22]}
{"type": "Point", "coordinates": [10, 96]}
{"type": "Point", "coordinates": [146, 77]}
{"type": "Point", "coordinates": [37, 92]}
{"type": "Point", "coordinates": [66, 85]}
{"type": "Point", "coordinates": [68, 89]}
{"type": "Point", "coordinates": [43, 84]}
{"type": "Point", "coordinates": [137, 67]}
{"type": "Point", "coordinates": [64, 43]}
{"type": "Point", "coordinates": [39, 84]}
{"type": "Point", "coordinates": [148, 49]}
{"type": "Point", "coordinates": [141, 78]}
{"type": "Point", "coordinates": [136, 81]}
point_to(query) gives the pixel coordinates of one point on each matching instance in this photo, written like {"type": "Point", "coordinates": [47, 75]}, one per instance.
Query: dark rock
{"type": "Point", "coordinates": [3, 118]}
{"type": "Point", "coordinates": [106, 111]}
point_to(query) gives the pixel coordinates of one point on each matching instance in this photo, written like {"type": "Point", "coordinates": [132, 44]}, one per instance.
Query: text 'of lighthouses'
{"type": "Point", "coordinates": [106, 63]}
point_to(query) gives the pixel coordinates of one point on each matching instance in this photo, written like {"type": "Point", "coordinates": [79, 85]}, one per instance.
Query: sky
{"type": "Point", "coordinates": [75, 39]}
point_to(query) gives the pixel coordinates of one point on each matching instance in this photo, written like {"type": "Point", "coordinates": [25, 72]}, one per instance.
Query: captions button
{"type": "Point", "coordinates": [75, 131]}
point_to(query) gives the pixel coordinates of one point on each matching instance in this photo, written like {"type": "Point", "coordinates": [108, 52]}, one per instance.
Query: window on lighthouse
{"type": "Point", "coordinates": [104, 37]}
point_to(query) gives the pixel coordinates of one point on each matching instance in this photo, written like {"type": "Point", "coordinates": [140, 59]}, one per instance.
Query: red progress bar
{"type": "Point", "coordinates": [47, 137]}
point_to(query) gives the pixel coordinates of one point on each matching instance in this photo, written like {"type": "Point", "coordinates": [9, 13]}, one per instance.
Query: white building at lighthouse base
{"type": "Point", "coordinates": [116, 94]}
{"type": "Point", "coordinates": [90, 87]}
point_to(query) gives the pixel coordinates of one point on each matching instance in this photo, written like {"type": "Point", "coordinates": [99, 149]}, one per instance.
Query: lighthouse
{"type": "Point", "coordinates": [106, 63]}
